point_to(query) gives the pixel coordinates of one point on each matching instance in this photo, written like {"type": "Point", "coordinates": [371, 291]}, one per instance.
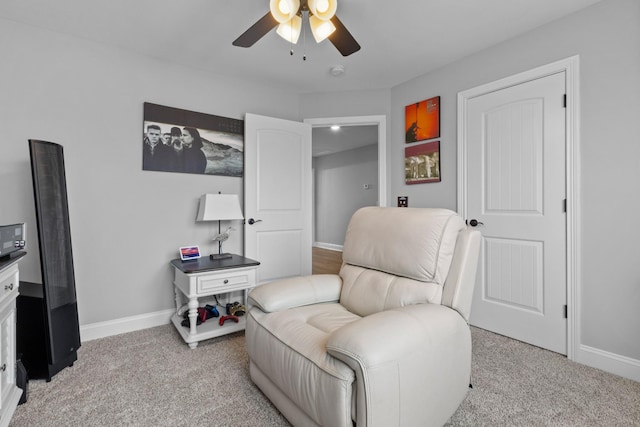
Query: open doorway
{"type": "Point", "coordinates": [349, 172]}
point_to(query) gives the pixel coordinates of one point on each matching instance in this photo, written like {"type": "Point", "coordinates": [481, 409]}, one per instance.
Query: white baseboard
{"type": "Point", "coordinates": [329, 246]}
{"type": "Point", "coordinates": [609, 362]}
{"type": "Point", "coordinates": [126, 324]}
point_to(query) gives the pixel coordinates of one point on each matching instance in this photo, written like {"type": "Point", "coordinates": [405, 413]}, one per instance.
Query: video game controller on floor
{"type": "Point", "coordinates": [223, 319]}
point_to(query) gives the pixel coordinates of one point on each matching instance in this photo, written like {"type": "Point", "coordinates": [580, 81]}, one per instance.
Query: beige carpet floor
{"type": "Point", "coordinates": [151, 378]}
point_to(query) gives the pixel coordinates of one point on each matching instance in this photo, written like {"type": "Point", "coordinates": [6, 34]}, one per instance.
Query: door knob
{"type": "Point", "coordinates": [474, 222]}
{"type": "Point", "coordinates": [253, 221]}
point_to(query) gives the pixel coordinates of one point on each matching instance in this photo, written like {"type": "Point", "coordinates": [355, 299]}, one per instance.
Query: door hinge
{"type": "Point", "coordinates": [566, 311]}
{"type": "Point", "coordinates": [564, 205]}
{"type": "Point", "coordinates": [564, 100]}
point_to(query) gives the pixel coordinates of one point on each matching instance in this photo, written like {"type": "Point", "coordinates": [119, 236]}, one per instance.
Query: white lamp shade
{"type": "Point", "coordinates": [323, 9]}
{"type": "Point", "coordinates": [320, 29]}
{"type": "Point", "coordinates": [284, 10]}
{"type": "Point", "coordinates": [290, 30]}
{"type": "Point", "coordinates": [216, 207]}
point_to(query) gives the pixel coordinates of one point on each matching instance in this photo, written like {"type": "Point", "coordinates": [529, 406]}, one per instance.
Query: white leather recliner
{"type": "Point", "coordinates": [384, 343]}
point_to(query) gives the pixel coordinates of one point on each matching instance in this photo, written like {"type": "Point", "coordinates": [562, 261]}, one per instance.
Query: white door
{"type": "Point", "coordinates": [516, 190]}
{"type": "Point", "coordinates": [278, 191]}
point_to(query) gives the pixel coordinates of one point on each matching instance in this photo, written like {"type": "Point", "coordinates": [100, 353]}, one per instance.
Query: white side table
{"type": "Point", "coordinates": [205, 277]}
{"type": "Point", "coordinates": [9, 391]}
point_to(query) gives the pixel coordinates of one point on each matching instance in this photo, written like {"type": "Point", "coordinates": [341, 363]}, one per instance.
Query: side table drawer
{"type": "Point", "coordinates": [211, 284]}
{"type": "Point", "coordinates": [8, 283]}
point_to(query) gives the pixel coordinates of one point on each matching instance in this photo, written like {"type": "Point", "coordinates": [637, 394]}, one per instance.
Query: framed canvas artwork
{"type": "Point", "coordinates": [175, 140]}
{"type": "Point", "coordinates": [422, 163]}
{"type": "Point", "coordinates": [422, 120]}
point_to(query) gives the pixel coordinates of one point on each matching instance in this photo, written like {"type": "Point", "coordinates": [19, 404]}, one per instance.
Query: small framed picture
{"type": "Point", "coordinates": [422, 163]}
{"type": "Point", "coordinates": [422, 120]}
{"type": "Point", "coordinates": [188, 253]}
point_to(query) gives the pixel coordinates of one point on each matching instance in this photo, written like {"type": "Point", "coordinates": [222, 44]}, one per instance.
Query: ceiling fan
{"type": "Point", "coordinates": [288, 15]}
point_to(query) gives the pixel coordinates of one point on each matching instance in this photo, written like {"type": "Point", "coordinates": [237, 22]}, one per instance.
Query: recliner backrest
{"type": "Point", "coordinates": [397, 256]}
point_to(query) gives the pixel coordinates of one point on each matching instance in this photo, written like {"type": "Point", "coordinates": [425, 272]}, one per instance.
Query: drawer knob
{"type": "Point", "coordinates": [226, 281]}
{"type": "Point", "coordinates": [8, 287]}
{"type": "Point", "coordinates": [3, 367]}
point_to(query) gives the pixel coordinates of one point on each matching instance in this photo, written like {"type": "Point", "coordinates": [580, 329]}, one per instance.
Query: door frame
{"type": "Point", "coordinates": [381, 122]}
{"type": "Point", "coordinates": [570, 66]}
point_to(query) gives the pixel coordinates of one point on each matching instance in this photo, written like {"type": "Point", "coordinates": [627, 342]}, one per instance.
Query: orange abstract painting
{"type": "Point", "coordinates": [422, 120]}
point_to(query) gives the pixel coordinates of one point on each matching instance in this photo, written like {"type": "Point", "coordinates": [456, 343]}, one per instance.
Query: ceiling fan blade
{"type": "Point", "coordinates": [256, 31]}
{"type": "Point", "coordinates": [342, 38]}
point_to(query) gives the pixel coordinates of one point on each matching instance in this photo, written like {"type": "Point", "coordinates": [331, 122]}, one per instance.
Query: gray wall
{"type": "Point", "coordinates": [339, 190]}
{"type": "Point", "coordinates": [606, 36]}
{"type": "Point", "coordinates": [126, 223]}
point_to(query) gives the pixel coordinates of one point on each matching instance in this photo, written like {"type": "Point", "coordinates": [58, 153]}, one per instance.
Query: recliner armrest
{"type": "Point", "coordinates": [296, 291]}
{"type": "Point", "coordinates": [395, 353]}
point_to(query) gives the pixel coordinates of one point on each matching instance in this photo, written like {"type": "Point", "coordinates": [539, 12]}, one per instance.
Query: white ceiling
{"type": "Point", "coordinates": [327, 141]}
{"type": "Point", "coordinates": [400, 39]}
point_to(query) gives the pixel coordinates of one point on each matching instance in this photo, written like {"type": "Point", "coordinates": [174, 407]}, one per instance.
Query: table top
{"type": "Point", "coordinates": [11, 258]}
{"type": "Point", "coordinates": [207, 264]}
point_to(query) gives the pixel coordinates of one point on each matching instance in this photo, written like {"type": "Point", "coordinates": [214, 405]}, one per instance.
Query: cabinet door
{"type": "Point", "coordinates": [7, 351]}
{"type": "Point", "coordinates": [4, 344]}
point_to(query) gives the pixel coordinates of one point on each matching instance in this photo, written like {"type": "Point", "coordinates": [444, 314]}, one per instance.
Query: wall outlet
{"type": "Point", "coordinates": [403, 201]}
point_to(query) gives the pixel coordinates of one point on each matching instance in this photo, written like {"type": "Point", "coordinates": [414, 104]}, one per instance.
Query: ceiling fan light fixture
{"type": "Point", "coordinates": [290, 30]}
{"type": "Point", "coordinates": [320, 29]}
{"type": "Point", "coordinates": [284, 10]}
{"type": "Point", "coordinates": [287, 17]}
{"type": "Point", "coordinates": [323, 9]}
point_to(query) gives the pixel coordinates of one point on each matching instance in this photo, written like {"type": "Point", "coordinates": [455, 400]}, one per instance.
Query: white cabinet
{"type": "Point", "coordinates": [9, 391]}
{"type": "Point", "coordinates": [195, 280]}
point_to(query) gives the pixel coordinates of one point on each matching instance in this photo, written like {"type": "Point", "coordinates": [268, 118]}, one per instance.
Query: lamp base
{"type": "Point", "coordinates": [220, 256]}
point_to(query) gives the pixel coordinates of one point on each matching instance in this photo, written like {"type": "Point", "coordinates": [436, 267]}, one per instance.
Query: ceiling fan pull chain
{"type": "Point", "coordinates": [291, 36]}
{"type": "Point", "coordinates": [304, 38]}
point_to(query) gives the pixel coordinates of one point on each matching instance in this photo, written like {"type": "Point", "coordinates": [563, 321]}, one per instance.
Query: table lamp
{"type": "Point", "coordinates": [219, 207]}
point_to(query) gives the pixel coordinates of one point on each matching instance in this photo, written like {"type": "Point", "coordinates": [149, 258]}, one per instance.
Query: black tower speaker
{"type": "Point", "coordinates": [48, 333]}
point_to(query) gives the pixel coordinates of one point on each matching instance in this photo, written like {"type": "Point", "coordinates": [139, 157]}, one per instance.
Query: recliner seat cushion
{"type": "Point", "coordinates": [289, 348]}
